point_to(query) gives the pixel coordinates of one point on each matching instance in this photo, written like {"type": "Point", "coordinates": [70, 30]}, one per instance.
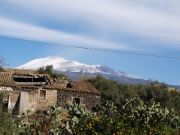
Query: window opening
{"type": "Point", "coordinates": [42, 95]}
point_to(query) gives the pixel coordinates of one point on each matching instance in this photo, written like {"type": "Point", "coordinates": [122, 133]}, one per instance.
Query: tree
{"type": "Point", "coordinates": [41, 70]}
{"type": "Point", "coordinates": [46, 70]}
{"type": "Point", "coordinates": [1, 64]}
{"type": "Point", "coordinates": [50, 70]}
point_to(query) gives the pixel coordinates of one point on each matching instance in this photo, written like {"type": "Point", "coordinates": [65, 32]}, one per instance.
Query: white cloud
{"type": "Point", "coordinates": [154, 20]}
{"type": "Point", "coordinates": [21, 30]}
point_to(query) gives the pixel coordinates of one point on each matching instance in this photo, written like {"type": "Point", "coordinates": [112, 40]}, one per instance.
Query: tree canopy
{"type": "Point", "coordinates": [50, 70]}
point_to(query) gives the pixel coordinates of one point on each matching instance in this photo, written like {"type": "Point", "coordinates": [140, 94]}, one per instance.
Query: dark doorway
{"type": "Point", "coordinates": [76, 101]}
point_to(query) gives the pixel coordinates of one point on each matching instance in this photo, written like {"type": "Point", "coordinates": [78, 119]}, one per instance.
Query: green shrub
{"type": "Point", "coordinates": [135, 117]}
{"type": "Point", "coordinates": [6, 121]}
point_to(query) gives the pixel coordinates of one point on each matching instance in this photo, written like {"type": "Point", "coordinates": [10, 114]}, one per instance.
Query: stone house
{"type": "Point", "coordinates": [28, 91]}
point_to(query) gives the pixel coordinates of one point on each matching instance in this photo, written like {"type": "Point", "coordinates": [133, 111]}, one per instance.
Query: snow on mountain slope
{"type": "Point", "coordinates": [62, 65]}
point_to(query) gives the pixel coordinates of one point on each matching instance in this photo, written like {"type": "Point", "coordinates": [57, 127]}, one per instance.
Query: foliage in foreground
{"type": "Point", "coordinates": [134, 118]}
{"type": "Point", "coordinates": [6, 122]}
{"type": "Point", "coordinates": [111, 90]}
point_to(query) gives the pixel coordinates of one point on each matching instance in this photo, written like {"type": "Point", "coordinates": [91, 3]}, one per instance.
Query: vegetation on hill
{"type": "Point", "coordinates": [158, 92]}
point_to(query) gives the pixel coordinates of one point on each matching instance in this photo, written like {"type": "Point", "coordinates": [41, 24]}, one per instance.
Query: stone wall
{"type": "Point", "coordinates": [33, 101]}
{"type": "Point", "coordinates": [22, 101]}
{"type": "Point", "coordinates": [36, 104]}
{"type": "Point", "coordinates": [5, 89]}
{"type": "Point", "coordinates": [50, 100]}
{"type": "Point", "coordinates": [13, 103]}
{"type": "Point", "coordinates": [65, 97]}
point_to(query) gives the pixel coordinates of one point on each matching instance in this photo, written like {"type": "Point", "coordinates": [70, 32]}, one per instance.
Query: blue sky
{"type": "Point", "coordinates": [32, 29]}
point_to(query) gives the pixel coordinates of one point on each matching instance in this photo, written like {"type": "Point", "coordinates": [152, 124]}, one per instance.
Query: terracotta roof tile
{"type": "Point", "coordinates": [6, 77]}
{"type": "Point", "coordinates": [80, 86]}
{"type": "Point", "coordinates": [55, 85]}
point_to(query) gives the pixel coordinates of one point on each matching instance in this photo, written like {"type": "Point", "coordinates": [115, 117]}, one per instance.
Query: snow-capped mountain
{"type": "Point", "coordinates": [74, 69]}
{"type": "Point", "coordinates": [61, 64]}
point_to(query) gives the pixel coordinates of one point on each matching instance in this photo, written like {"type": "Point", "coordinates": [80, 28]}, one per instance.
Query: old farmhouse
{"type": "Point", "coordinates": [29, 91]}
